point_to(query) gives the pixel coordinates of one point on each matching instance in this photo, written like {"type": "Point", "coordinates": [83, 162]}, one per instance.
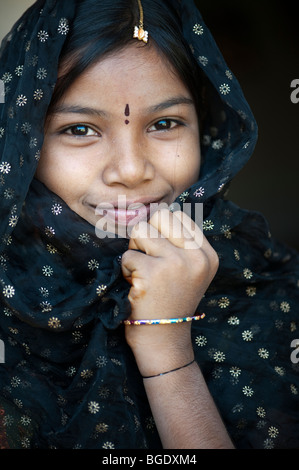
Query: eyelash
{"type": "Point", "coordinates": [69, 130]}
{"type": "Point", "coordinates": [167, 122]}
{"type": "Point", "coordinates": [168, 125]}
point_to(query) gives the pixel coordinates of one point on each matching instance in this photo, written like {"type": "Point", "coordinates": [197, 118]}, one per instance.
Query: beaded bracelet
{"type": "Point", "coordinates": [169, 371]}
{"type": "Point", "coordinates": [164, 321]}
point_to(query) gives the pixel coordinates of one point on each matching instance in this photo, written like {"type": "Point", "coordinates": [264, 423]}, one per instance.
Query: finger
{"type": "Point", "coordinates": [145, 237]}
{"type": "Point", "coordinates": [193, 229]}
{"type": "Point", "coordinates": [198, 235]}
{"type": "Point", "coordinates": [130, 263]}
{"type": "Point", "coordinates": [200, 239]}
{"type": "Point", "coordinates": [173, 228]}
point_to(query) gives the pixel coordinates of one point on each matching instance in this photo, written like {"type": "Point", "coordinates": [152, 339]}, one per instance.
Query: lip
{"type": "Point", "coordinates": [128, 216]}
{"type": "Point", "coordinates": [128, 212]}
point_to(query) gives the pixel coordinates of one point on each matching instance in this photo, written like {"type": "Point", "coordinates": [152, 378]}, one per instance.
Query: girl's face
{"type": "Point", "coordinates": [124, 136]}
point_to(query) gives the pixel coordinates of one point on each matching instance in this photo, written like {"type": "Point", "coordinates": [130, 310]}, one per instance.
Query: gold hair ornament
{"type": "Point", "coordinates": [139, 32]}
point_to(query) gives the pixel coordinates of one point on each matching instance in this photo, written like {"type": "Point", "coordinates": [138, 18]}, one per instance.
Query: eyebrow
{"type": "Point", "coordinates": [73, 109]}
{"type": "Point", "coordinates": [174, 101]}
{"type": "Point", "coordinates": [76, 109]}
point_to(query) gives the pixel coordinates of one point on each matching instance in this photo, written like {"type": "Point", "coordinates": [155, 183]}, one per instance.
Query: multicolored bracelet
{"type": "Point", "coordinates": [164, 321]}
{"type": "Point", "coordinates": [169, 371]}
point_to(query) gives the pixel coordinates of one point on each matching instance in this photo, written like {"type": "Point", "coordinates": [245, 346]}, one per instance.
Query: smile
{"type": "Point", "coordinates": [128, 213]}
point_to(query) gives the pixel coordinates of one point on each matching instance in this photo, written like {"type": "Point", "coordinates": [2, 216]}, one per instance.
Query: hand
{"type": "Point", "coordinates": [169, 275]}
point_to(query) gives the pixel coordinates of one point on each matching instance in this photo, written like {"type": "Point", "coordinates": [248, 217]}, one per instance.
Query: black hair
{"type": "Point", "coordinates": [102, 27]}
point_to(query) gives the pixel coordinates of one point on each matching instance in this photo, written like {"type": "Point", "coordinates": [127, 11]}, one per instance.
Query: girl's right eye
{"type": "Point", "coordinates": [80, 130]}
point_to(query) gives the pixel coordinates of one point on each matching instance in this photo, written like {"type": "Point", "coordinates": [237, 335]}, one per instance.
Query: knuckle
{"type": "Point", "coordinates": [214, 260]}
{"type": "Point", "coordinates": [201, 266]}
{"type": "Point", "coordinates": [205, 264]}
{"type": "Point", "coordinates": [125, 257]}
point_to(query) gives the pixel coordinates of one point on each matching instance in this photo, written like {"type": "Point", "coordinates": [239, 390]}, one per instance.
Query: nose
{"type": "Point", "coordinates": [128, 163]}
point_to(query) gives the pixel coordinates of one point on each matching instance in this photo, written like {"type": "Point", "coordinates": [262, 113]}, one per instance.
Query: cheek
{"type": "Point", "coordinates": [187, 166]}
{"type": "Point", "coordinates": [48, 172]}
{"type": "Point", "coordinates": [56, 172]}
{"type": "Point", "coordinates": [44, 169]}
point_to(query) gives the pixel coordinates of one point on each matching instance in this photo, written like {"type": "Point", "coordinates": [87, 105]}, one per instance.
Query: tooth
{"type": "Point", "coordinates": [135, 206]}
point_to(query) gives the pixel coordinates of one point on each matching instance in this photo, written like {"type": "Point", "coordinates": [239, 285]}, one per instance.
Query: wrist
{"type": "Point", "coordinates": [169, 371]}
{"type": "Point", "coordinates": [159, 348]}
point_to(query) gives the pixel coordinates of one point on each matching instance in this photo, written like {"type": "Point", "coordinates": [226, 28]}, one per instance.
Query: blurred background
{"type": "Point", "coordinates": [259, 40]}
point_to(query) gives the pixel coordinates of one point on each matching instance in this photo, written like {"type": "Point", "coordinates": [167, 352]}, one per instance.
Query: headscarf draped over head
{"type": "Point", "coordinates": [68, 379]}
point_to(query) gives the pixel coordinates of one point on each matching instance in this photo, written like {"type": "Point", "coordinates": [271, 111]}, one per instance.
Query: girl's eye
{"type": "Point", "coordinates": [163, 125]}
{"type": "Point", "coordinates": [79, 130]}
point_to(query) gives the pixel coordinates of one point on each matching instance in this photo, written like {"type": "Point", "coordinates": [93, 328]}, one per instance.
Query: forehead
{"type": "Point", "coordinates": [135, 72]}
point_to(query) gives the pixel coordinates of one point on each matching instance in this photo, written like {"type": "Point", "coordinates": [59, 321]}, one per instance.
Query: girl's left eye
{"type": "Point", "coordinates": [164, 125]}
{"type": "Point", "coordinates": [80, 130]}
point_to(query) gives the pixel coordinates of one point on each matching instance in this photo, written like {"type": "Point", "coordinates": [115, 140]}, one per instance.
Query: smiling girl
{"type": "Point", "coordinates": [149, 156]}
